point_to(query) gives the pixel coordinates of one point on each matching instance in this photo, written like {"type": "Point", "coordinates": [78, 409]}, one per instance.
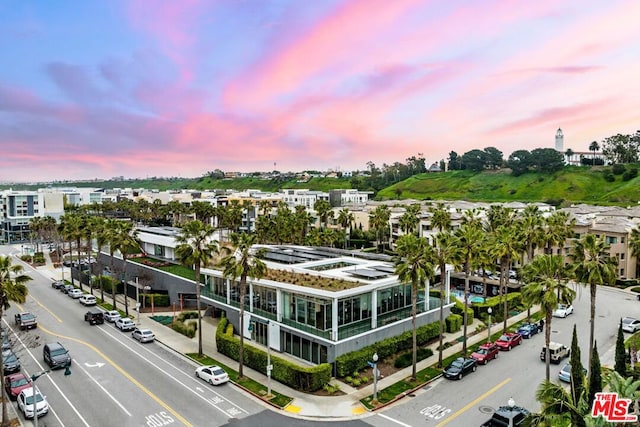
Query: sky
{"type": "Point", "coordinates": [100, 89]}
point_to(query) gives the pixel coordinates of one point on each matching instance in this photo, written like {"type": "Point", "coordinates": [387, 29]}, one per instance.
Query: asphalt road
{"type": "Point", "coordinates": [514, 374]}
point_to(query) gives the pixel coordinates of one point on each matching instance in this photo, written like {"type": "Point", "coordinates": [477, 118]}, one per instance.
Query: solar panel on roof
{"type": "Point", "coordinates": [385, 268]}
{"type": "Point", "coordinates": [368, 273]}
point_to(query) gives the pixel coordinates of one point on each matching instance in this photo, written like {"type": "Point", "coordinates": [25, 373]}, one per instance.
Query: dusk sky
{"type": "Point", "coordinates": [97, 89]}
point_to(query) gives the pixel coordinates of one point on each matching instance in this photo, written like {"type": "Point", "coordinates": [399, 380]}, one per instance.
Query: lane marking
{"type": "Point", "coordinates": [395, 421]}
{"type": "Point", "coordinates": [125, 374]}
{"type": "Point", "coordinates": [112, 397]}
{"type": "Point", "coordinates": [43, 307]}
{"type": "Point", "coordinates": [470, 404]}
{"type": "Point", "coordinates": [219, 398]}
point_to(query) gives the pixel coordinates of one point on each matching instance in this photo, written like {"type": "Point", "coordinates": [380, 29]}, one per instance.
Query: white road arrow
{"type": "Point", "coordinates": [96, 365]}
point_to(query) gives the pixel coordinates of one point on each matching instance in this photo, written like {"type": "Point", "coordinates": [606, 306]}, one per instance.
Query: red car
{"type": "Point", "coordinates": [509, 340]}
{"type": "Point", "coordinates": [485, 353]}
{"type": "Point", "coordinates": [15, 383]}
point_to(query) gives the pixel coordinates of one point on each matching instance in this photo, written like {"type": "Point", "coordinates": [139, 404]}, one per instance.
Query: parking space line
{"type": "Point", "coordinates": [470, 404]}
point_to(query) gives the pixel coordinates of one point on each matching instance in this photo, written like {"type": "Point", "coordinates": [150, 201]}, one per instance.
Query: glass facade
{"type": "Point", "coordinates": [302, 347]}
{"type": "Point", "coordinates": [354, 309]}
{"type": "Point", "coordinates": [306, 310]}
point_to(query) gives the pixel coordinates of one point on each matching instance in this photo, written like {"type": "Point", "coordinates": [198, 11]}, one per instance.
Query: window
{"type": "Point", "coordinates": [621, 256]}
{"type": "Point", "coordinates": [611, 240]}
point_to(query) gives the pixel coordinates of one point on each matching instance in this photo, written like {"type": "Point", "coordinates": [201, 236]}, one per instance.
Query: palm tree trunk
{"type": "Point", "coordinates": [124, 284]}
{"type": "Point", "coordinates": [442, 279]}
{"type": "Point", "coordinates": [414, 309]}
{"type": "Point", "coordinates": [5, 415]}
{"type": "Point", "coordinates": [243, 280]}
{"type": "Point", "coordinates": [592, 289]}
{"type": "Point", "coordinates": [114, 283]}
{"type": "Point", "coordinates": [198, 305]}
{"type": "Point", "coordinates": [79, 267]}
{"type": "Point", "coordinates": [466, 306]}
{"type": "Point", "coordinates": [547, 341]}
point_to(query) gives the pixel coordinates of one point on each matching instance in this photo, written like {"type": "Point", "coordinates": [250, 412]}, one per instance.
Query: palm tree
{"type": "Point", "coordinates": [547, 284]}
{"type": "Point", "coordinates": [125, 240]}
{"type": "Point", "coordinates": [468, 237]}
{"type": "Point", "coordinates": [634, 245]}
{"type": "Point", "coordinates": [446, 253]}
{"type": "Point", "coordinates": [102, 238]}
{"type": "Point", "coordinates": [505, 246]}
{"type": "Point", "coordinates": [530, 230]}
{"type": "Point", "coordinates": [558, 228]}
{"type": "Point", "coordinates": [346, 219]}
{"type": "Point", "coordinates": [593, 147]}
{"type": "Point", "coordinates": [558, 406]}
{"type": "Point", "coordinates": [627, 388]}
{"type": "Point", "coordinates": [415, 265]}
{"type": "Point", "coordinates": [379, 223]}
{"type": "Point", "coordinates": [408, 222]}
{"type": "Point", "coordinates": [12, 289]}
{"type": "Point", "coordinates": [323, 209]}
{"type": "Point", "coordinates": [440, 217]}
{"type": "Point", "coordinates": [243, 263]}
{"type": "Point", "coordinates": [196, 247]}
{"type": "Point", "coordinates": [593, 265]}
{"type": "Point", "coordinates": [111, 234]}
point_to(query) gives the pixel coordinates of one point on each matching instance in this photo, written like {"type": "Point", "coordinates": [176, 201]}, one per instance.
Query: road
{"type": "Point", "coordinates": [515, 374]}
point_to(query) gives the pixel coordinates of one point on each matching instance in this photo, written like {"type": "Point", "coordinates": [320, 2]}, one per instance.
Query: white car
{"type": "Point", "coordinates": [143, 335]}
{"type": "Point", "coordinates": [125, 324]}
{"type": "Point", "coordinates": [563, 310]}
{"type": "Point", "coordinates": [112, 315]}
{"type": "Point", "coordinates": [25, 402]}
{"type": "Point", "coordinates": [629, 324]}
{"type": "Point", "coordinates": [75, 293]}
{"type": "Point", "coordinates": [87, 299]}
{"type": "Point", "coordinates": [214, 375]}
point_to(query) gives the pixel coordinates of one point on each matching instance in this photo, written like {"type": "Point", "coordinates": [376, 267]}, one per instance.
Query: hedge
{"type": "Point", "coordinates": [357, 360]}
{"type": "Point", "coordinates": [458, 308]}
{"type": "Point", "coordinates": [406, 359]}
{"type": "Point", "coordinates": [303, 378]}
{"type": "Point", "coordinates": [514, 299]}
{"type": "Point", "coordinates": [188, 329]}
{"type": "Point", "coordinates": [453, 322]}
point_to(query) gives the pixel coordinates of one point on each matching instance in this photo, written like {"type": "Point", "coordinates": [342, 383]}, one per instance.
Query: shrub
{"type": "Point", "coordinates": [406, 359]}
{"type": "Point", "coordinates": [458, 308]}
{"type": "Point", "coordinates": [453, 322]}
{"type": "Point", "coordinates": [331, 388]}
{"type": "Point", "coordinates": [608, 176]}
{"type": "Point", "coordinates": [356, 382]}
{"type": "Point", "coordinates": [185, 315]}
{"type": "Point", "coordinates": [187, 329]}
{"type": "Point", "coordinates": [630, 174]}
{"type": "Point", "coordinates": [618, 169]}
{"type": "Point", "coordinates": [304, 378]}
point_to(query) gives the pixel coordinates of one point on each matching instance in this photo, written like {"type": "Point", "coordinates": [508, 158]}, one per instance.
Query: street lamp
{"type": "Point", "coordinates": [375, 377]}
{"type": "Point", "coordinates": [34, 377]}
{"type": "Point", "coordinates": [489, 325]}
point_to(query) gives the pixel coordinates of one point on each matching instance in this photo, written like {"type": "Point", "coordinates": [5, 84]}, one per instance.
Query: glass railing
{"type": "Point", "coordinates": [352, 329]}
{"type": "Point", "coordinates": [307, 328]}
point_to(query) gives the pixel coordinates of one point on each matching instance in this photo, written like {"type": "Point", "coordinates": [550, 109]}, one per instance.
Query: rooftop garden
{"type": "Point", "coordinates": [310, 280]}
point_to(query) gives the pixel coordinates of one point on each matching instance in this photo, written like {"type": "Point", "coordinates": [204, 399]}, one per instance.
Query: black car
{"type": "Point", "coordinates": [527, 330]}
{"type": "Point", "coordinates": [10, 362]}
{"type": "Point", "coordinates": [55, 355]}
{"type": "Point", "coordinates": [460, 367]}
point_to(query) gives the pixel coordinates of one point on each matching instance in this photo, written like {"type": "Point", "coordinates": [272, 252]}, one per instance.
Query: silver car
{"type": "Point", "coordinates": [112, 315]}
{"type": "Point", "coordinates": [125, 324]}
{"type": "Point", "coordinates": [143, 335]}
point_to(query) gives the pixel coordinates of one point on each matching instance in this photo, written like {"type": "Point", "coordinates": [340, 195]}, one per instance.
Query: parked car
{"type": "Point", "coordinates": [10, 362]}
{"type": "Point", "coordinates": [630, 324]}
{"type": "Point", "coordinates": [527, 330]}
{"type": "Point", "coordinates": [67, 288]}
{"type": "Point", "coordinates": [57, 284]}
{"type": "Point", "coordinates": [143, 335]}
{"type": "Point", "coordinates": [111, 316]}
{"type": "Point", "coordinates": [557, 352]}
{"type": "Point", "coordinates": [94, 317]}
{"type": "Point", "coordinates": [15, 383]}
{"type": "Point", "coordinates": [565, 373]}
{"type": "Point", "coordinates": [55, 355]}
{"type": "Point", "coordinates": [88, 299]}
{"type": "Point", "coordinates": [125, 324]}
{"type": "Point", "coordinates": [507, 416]}
{"type": "Point", "coordinates": [509, 340]}
{"type": "Point", "coordinates": [485, 353]}
{"type": "Point", "coordinates": [26, 320]}
{"type": "Point", "coordinates": [75, 293]}
{"type": "Point", "coordinates": [563, 310]}
{"type": "Point", "coordinates": [460, 367]}
{"type": "Point", "coordinates": [214, 375]}
{"type": "Point", "coordinates": [26, 401]}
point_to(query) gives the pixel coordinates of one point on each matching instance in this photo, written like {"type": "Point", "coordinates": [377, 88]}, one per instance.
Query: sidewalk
{"type": "Point", "coordinates": [304, 405]}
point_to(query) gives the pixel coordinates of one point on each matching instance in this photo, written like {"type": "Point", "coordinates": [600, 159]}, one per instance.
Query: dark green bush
{"type": "Point", "coordinates": [453, 322]}
{"type": "Point", "coordinates": [608, 176]}
{"type": "Point", "coordinates": [458, 308]}
{"type": "Point", "coordinates": [618, 169]}
{"type": "Point", "coordinates": [630, 174]}
{"type": "Point", "coordinates": [188, 329]}
{"type": "Point", "coordinates": [187, 315]}
{"type": "Point", "coordinates": [304, 378]}
{"type": "Point", "coordinates": [406, 359]}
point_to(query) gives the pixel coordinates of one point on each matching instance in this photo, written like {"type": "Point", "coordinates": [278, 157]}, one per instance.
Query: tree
{"type": "Point", "coordinates": [546, 160]}
{"type": "Point", "coordinates": [196, 247]}
{"type": "Point", "coordinates": [558, 407]}
{"type": "Point", "coordinates": [493, 158]}
{"type": "Point", "coordinates": [547, 279]}
{"type": "Point", "coordinates": [626, 388]}
{"type": "Point", "coordinates": [379, 223]}
{"type": "Point", "coordinates": [620, 365]}
{"type": "Point", "coordinates": [414, 265]}
{"type": "Point", "coordinates": [346, 219]}
{"type": "Point", "coordinates": [577, 377]}
{"type": "Point", "coordinates": [634, 245]}
{"type": "Point", "coordinates": [12, 289]}
{"type": "Point", "coordinates": [593, 147]}
{"type": "Point", "coordinates": [323, 209]}
{"type": "Point", "coordinates": [505, 246]}
{"type": "Point", "coordinates": [242, 263]}
{"type": "Point", "coordinates": [440, 217]}
{"type": "Point", "coordinates": [593, 266]}
{"type": "Point", "coordinates": [467, 238]}
{"type": "Point", "coordinates": [595, 375]}
{"type": "Point", "coordinates": [519, 162]}
{"type": "Point", "coordinates": [455, 161]}
{"type": "Point", "coordinates": [446, 252]}
{"type": "Point", "coordinates": [125, 240]}
{"type": "Point", "coordinates": [475, 160]}
{"type": "Point", "coordinates": [621, 148]}
{"type": "Point", "coordinates": [569, 153]}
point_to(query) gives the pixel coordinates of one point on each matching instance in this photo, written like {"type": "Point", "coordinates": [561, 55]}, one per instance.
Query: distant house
{"type": "Point", "coordinates": [435, 167]}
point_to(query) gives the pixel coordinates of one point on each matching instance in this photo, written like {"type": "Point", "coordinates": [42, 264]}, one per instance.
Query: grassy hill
{"type": "Point", "coordinates": [571, 185]}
